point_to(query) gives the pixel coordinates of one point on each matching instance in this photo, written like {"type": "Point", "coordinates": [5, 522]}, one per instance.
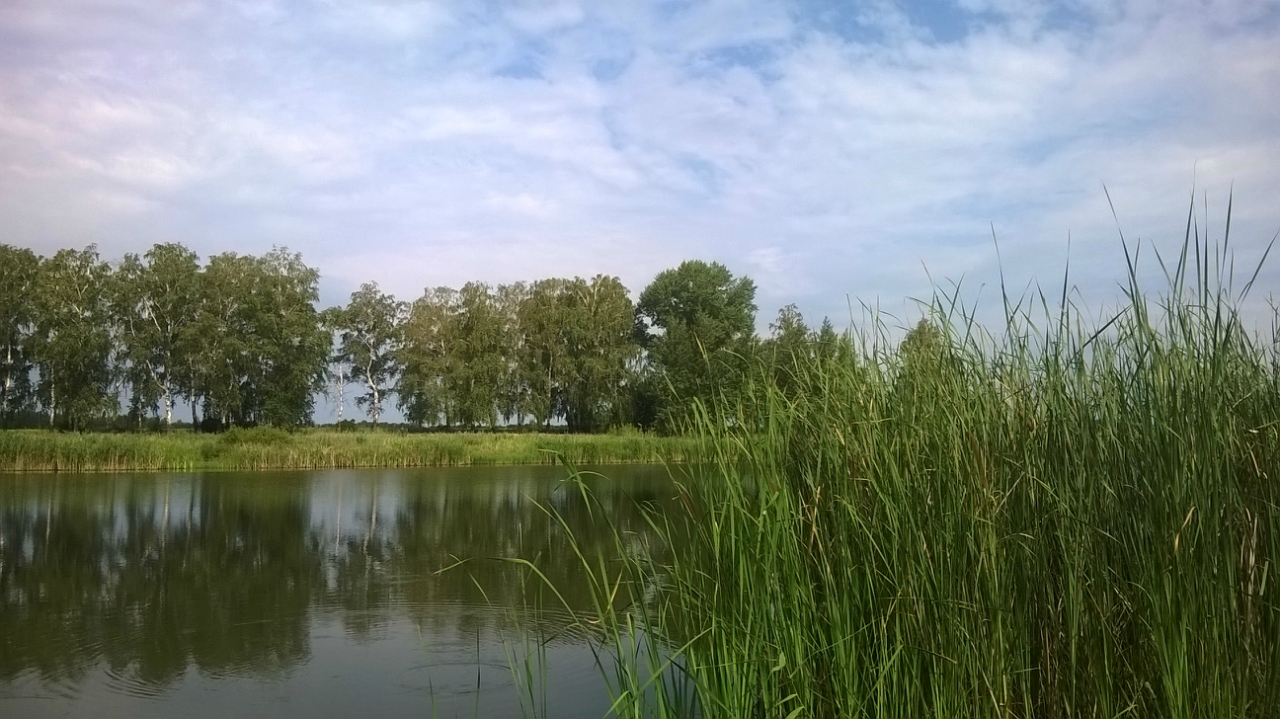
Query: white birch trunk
{"type": "Point", "coordinates": [8, 380]}
{"type": "Point", "coordinates": [342, 390]}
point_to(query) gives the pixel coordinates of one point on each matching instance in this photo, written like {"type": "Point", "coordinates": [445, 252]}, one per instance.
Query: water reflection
{"type": "Point", "coordinates": [268, 592]}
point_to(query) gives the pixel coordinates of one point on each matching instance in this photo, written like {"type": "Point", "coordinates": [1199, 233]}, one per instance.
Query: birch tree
{"type": "Point", "coordinates": [369, 338]}
{"type": "Point", "coordinates": [72, 343]}
{"type": "Point", "coordinates": [155, 301]}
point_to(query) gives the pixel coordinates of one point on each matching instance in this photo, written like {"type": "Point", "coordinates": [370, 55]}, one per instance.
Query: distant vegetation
{"type": "Point", "coordinates": [274, 448]}
{"type": "Point", "coordinates": [239, 339]}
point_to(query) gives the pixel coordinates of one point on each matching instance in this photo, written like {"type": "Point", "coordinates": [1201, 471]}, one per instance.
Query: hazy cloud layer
{"type": "Point", "coordinates": [822, 147]}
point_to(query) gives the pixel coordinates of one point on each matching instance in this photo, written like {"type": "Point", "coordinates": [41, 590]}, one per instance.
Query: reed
{"type": "Point", "coordinates": [1064, 519]}
{"type": "Point", "coordinates": [266, 448]}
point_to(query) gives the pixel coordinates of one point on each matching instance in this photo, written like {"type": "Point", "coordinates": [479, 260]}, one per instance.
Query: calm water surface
{"type": "Point", "coordinates": [299, 594]}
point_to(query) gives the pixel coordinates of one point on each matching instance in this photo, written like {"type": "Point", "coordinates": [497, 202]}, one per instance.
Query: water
{"type": "Point", "coordinates": [304, 594]}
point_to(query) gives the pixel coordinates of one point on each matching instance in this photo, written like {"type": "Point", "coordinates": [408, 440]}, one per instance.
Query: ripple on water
{"type": "Point", "coordinates": [126, 681]}
{"type": "Point", "coordinates": [35, 685]}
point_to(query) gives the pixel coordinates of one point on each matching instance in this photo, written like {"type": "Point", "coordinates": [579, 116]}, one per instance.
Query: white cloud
{"type": "Point", "coordinates": [542, 17]}
{"type": "Point", "coordinates": [387, 21]}
{"type": "Point", "coordinates": [384, 141]}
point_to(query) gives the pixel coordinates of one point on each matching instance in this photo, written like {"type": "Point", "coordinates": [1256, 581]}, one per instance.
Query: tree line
{"type": "Point", "coordinates": [240, 341]}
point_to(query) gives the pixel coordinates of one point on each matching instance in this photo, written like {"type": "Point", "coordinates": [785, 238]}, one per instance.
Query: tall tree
{"type": "Point", "coordinates": [577, 346]}
{"type": "Point", "coordinates": [223, 334]}
{"type": "Point", "coordinates": [425, 356]}
{"type": "Point", "coordinates": [476, 367]}
{"type": "Point", "coordinates": [454, 357]}
{"type": "Point", "coordinates": [263, 347]}
{"type": "Point", "coordinates": [830, 345]}
{"type": "Point", "coordinates": [599, 319]}
{"type": "Point", "coordinates": [696, 322]}
{"type": "Point", "coordinates": [924, 348]}
{"type": "Point", "coordinates": [543, 326]}
{"type": "Point", "coordinates": [339, 370]}
{"type": "Point", "coordinates": [155, 300]}
{"type": "Point", "coordinates": [369, 337]}
{"type": "Point", "coordinates": [788, 349]}
{"type": "Point", "coordinates": [19, 268]}
{"type": "Point", "coordinates": [513, 402]}
{"type": "Point", "coordinates": [72, 343]}
{"type": "Point", "coordinates": [294, 348]}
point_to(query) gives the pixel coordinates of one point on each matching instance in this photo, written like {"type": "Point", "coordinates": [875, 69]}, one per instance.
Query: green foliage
{"type": "Point", "coordinates": [265, 436]}
{"type": "Point", "coordinates": [369, 331]}
{"type": "Point", "coordinates": [425, 358]}
{"type": "Point", "coordinates": [577, 346]}
{"type": "Point", "coordinates": [262, 347]}
{"type": "Point", "coordinates": [477, 370]}
{"type": "Point", "coordinates": [294, 349]}
{"type": "Point", "coordinates": [787, 350]}
{"type": "Point", "coordinates": [697, 324]}
{"type": "Point", "coordinates": [923, 348]}
{"type": "Point", "coordinates": [241, 340]}
{"type": "Point", "coordinates": [19, 268]}
{"type": "Point", "coordinates": [543, 324]}
{"type": "Point", "coordinates": [72, 343]}
{"type": "Point", "coordinates": [513, 399]}
{"type": "Point", "coordinates": [599, 349]}
{"type": "Point", "coordinates": [1067, 520]}
{"type": "Point", "coordinates": [559, 349]}
{"type": "Point", "coordinates": [154, 304]}
{"type": "Point", "coordinates": [455, 360]}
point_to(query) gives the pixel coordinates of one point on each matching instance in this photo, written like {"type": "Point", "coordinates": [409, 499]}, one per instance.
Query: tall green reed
{"type": "Point", "coordinates": [1074, 517]}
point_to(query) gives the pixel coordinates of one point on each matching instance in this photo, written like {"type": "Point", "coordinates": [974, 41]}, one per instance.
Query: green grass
{"type": "Point", "coordinates": [265, 448]}
{"type": "Point", "coordinates": [1067, 519]}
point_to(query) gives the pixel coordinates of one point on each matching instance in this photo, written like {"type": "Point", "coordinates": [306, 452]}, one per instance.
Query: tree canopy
{"type": "Point", "coordinates": [369, 331]}
{"type": "Point", "coordinates": [697, 323]}
{"type": "Point", "coordinates": [19, 268]}
{"type": "Point", "coordinates": [239, 338]}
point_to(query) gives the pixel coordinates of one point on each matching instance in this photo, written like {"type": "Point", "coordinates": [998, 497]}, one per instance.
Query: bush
{"type": "Point", "coordinates": [260, 436]}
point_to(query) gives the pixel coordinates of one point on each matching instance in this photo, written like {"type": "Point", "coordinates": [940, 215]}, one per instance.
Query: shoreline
{"type": "Point", "coordinates": [47, 451]}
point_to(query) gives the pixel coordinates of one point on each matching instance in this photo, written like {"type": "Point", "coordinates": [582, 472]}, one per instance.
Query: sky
{"type": "Point", "coordinates": [836, 152]}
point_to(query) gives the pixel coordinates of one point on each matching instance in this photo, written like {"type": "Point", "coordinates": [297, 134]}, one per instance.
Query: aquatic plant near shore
{"type": "Point", "coordinates": [1061, 520]}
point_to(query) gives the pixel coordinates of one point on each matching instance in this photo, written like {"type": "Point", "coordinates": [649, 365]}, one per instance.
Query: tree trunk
{"type": "Point", "coordinates": [195, 421]}
{"type": "Point", "coordinates": [52, 401]}
{"type": "Point", "coordinates": [168, 408]}
{"type": "Point", "coordinates": [8, 383]}
{"type": "Point", "coordinates": [342, 392]}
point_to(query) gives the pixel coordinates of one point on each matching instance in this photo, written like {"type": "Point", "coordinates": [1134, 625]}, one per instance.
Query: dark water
{"type": "Point", "coordinates": [301, 594]}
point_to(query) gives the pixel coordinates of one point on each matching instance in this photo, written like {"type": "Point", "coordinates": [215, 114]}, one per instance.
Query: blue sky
{"type": "Point", "coordinates": [830, 150]}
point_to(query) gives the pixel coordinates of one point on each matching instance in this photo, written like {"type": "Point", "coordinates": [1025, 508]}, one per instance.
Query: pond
{"type": "Point", "coordinates": [304, 594]}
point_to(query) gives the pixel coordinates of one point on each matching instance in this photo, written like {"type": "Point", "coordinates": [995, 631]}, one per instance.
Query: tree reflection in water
{"type": "Point", "coordinates": [144, 578]}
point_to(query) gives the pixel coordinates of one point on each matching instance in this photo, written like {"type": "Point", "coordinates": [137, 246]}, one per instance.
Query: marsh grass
{"type": "Point", "coordinates": [1069, 518]}
{"type": "Point", "coordinates": [641, 671]}
{"type": "Point", "coordinates": [269, 448]}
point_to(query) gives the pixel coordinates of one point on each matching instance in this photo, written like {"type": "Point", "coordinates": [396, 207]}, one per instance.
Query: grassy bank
{"type": "Point", "coordinates": [38, 450]}
{"type": "Point", "coordinates": [1066, 520]}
